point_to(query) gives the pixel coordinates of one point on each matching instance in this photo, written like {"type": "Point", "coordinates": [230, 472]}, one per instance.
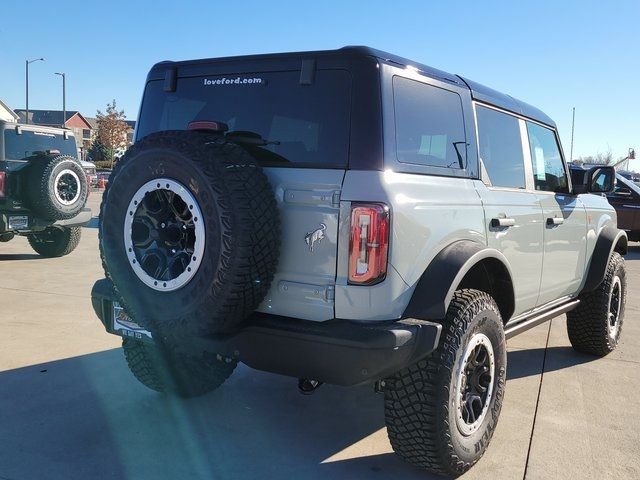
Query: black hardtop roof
{"type": "Point", "coordinates": [478, 91]}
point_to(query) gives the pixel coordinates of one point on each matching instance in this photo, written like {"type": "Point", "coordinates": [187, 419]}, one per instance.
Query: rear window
{"type": "Point", "coordinates": [24, 145]}
{"type": "Point", "coordinates": [305, 124]}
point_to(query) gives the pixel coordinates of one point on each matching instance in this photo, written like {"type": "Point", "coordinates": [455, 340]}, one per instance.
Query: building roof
{"type": "Point", "coordinates": [47, 117]}
{"type": "Point", "coordinates": [93, 121]}
{"type": "Point", "coordinates": [4, 106]}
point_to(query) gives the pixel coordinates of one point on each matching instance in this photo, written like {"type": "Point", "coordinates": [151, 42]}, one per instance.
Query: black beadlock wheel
{"type": "Point", "coordinates": [166, 370]}
{"type": "Point", "coordinates": [442, 411]}
{"type": "Point", "coordinates": [189, 233]}
{"type": "Point", "coordinates": [55, 241]}
{"type": "Point", "coordinates": [595, 325]}
{"type": "Point", "coordinates": [57, 188]}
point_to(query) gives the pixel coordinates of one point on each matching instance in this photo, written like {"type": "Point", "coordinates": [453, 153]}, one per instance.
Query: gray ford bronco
{"type": "Point", "coordinates": [350, 216]}
{"type": "Point", "coordinates": [43, 188]}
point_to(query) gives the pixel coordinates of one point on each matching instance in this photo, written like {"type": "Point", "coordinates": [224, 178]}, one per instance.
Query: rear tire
{"type": "Point", "coordinates": [55, 241]}
{"type": "Point", "coordinates": [442, 411]}
{"type": "Point", "coordinates": [167, 371]}
{"type": "Point", "coordinates": [595, 326]}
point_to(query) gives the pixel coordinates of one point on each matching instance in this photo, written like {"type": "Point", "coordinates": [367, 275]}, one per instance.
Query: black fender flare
{"type": "Point", "coordinates": [432, 295]}
{"type": "Point", "coordinates": [608, 240]}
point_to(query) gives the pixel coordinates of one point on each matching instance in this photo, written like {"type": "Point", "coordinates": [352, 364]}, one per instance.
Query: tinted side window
{"type": "Point", "coordinates": [501, 147]}
{"type": "Point", "coordinates": [548, 169]}
{"type": "Point", "coordinates": [429, 125]}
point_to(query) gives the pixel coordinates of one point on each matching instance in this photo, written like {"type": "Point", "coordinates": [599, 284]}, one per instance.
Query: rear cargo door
{"type": "Point", "coordinates": [309, 201]}
{"type": "Point", "coordinates": [298, 125]}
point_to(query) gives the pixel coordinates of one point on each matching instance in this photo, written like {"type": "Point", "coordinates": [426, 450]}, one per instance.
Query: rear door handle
{"type": "Point", "coordinates": [555, 221]}
{"type": "Point", "coordinates": [503, 222]}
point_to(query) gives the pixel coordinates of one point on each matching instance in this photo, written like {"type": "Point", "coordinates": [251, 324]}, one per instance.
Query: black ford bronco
{"type": "Point", "coordinates": [43, 188]}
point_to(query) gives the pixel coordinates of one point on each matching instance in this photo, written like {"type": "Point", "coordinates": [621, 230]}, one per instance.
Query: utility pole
{"type": "Point", "coordinates": [26, 82]}
{"type": "Point", "coordinates": [64, 97]}
{"type": "Point", "coordinates": [573, 122]}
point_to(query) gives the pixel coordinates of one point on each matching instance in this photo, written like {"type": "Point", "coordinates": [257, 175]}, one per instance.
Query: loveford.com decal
{"type": "Point", "coordinates": [234, 81]}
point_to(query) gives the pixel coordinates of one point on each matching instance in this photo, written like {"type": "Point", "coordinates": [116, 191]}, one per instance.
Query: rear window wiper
{"type": "Point", "coordinates": [249, 138]}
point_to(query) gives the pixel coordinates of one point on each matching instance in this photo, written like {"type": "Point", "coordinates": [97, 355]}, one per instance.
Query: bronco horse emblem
{"type": "Point", "coordinates": [315, 236]}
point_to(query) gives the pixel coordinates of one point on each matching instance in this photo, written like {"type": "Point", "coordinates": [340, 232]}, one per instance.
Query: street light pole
{"type": "Point", "coordinates": [64, 97]}
{"type": "Point", "coordinates": [26, 65]}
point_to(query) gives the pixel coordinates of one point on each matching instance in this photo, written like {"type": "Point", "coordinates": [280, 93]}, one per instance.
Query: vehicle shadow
{"type": "Point", "coordinates": [525, 363]}
{"type": "Point", "coordinates": [20, 256]}
{"type": "Point", "coordinates": [633, 252]}
{"type": "Point", "coordinates": [87, 417]}
{"type": "Point", "coordinates": [93, 223]}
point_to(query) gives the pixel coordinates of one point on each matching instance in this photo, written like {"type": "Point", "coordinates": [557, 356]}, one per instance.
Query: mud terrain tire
{"type": "Point", "coordinates": [57, 187]}
{"type": "Point", "coordinates": [425, 424]}
{"type": "Point", "coordinates": [175, 285]}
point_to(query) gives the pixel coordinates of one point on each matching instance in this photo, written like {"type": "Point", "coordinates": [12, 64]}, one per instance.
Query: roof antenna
{"type": "Point", "coordinates": [573, 121]}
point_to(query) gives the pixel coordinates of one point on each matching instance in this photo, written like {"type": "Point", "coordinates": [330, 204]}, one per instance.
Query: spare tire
{"type": "Point", "coordinates": [189, 233]}
{"type": "Point", "coordinates": [57, 187]}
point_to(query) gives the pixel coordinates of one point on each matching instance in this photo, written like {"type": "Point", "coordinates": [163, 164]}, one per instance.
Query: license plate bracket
{"type": "Point", "coordinates": [18, 222]}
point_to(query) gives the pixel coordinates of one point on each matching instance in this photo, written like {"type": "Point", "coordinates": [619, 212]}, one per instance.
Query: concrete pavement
{"type": "Point", "coordinates": [70, 409]}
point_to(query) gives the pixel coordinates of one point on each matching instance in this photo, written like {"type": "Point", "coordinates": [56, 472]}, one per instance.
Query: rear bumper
{"type": "Point", "coordinates": [36, 224]}
{"type": "Point", "coordinates": [339, 352]}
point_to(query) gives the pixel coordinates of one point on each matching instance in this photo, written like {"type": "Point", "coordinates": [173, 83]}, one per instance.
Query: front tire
{"type": "Point", "coordinates": [165, 370]}
{"type": "Point", "coordinates": [595, 326]}
{"type": "Point", "coordinates": [442, 411]}
{"type": "Point", "coordinates": [55, 241]}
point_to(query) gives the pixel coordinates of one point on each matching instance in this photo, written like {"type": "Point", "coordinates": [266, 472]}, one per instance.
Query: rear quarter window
{"type": "Point", "coordinates": [429, 125]}
{"type": "Point", "coordinates": [306, 125]}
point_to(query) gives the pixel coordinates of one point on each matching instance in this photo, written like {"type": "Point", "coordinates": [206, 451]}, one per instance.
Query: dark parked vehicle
{"type": "Point", "coordinates": [626, 200]}
{"type": "Point", "coordinates": [43, 188]}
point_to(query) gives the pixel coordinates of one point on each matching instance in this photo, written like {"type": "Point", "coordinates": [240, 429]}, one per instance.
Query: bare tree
{"type": "Point", "coordinates": [598, 159]}
{"type": "Point", "coordinates": [112, 130]}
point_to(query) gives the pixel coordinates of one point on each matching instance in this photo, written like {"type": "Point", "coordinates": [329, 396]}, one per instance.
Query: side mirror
{"type": "Point", "coordinates": [601, 179]}
{"type": "Point", "coordinates": [622, 192]}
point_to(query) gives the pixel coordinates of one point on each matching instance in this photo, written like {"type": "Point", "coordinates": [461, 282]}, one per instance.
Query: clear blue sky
{"type": "Point", "coordinates": [552, 54]}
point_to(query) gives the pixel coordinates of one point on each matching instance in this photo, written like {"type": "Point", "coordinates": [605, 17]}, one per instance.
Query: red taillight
{"type": "Point", "coordinates": [208, 126]}
{"type": "Point", "coordinates": [3, 177]}
{"type": "Point", "coordinates": [369, 244]}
